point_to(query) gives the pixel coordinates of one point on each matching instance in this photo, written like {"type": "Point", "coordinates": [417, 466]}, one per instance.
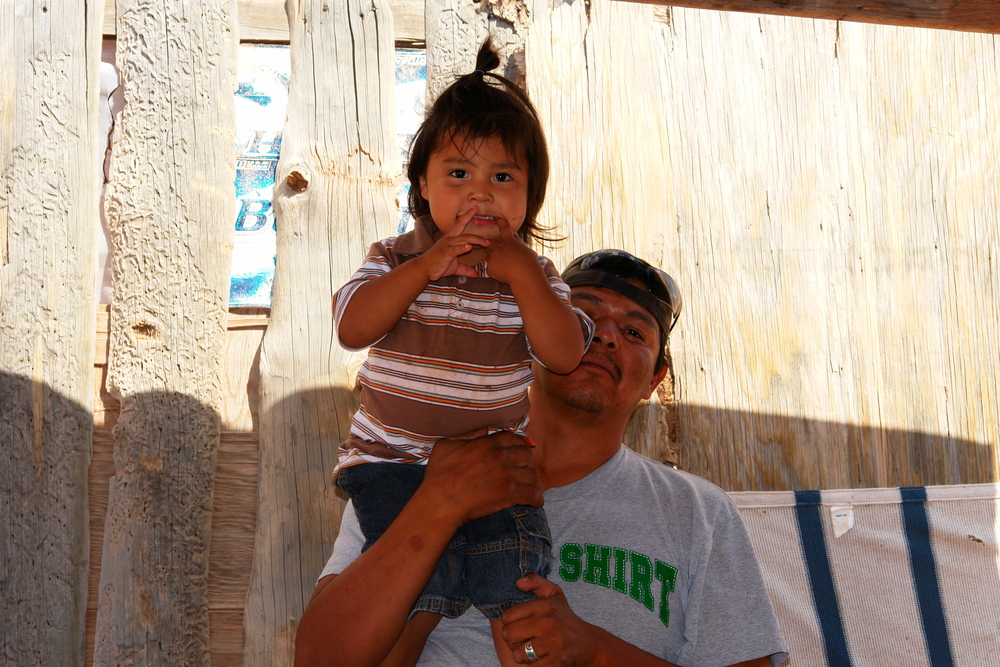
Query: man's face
{"type": "Point", "coordinates": [617, 370]}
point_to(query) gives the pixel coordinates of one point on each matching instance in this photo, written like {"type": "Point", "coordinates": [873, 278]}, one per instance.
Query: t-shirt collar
{"type": "Point", "coordinates": [592, 483]}
{"type": "Point", "coordinates": [418, 240]}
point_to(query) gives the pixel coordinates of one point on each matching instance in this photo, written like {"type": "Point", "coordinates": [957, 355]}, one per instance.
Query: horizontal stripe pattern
{"type": "Point", "coordinates": [458, 360]}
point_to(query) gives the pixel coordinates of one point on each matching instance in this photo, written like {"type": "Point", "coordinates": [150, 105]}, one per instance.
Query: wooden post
{"type": "Point", "coordinates": [170, 203]}
{"type": "Point", "coordinates": [49, 185]}
{"type": "Point", "coordinates": [336, 183]}
{"type": "Point", "coordinates": [455, 29]}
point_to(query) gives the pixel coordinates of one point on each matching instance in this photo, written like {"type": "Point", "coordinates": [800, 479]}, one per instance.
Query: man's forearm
{"type": "Point", "coordinates": [355, 618]}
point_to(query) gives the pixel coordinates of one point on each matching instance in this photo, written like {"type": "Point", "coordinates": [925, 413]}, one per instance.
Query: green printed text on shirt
{"type": "Point", "coordinates": [625, 571]}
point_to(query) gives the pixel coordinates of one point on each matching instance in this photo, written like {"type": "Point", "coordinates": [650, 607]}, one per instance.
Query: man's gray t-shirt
{"type": "Point", "coordinates": [656, 556]}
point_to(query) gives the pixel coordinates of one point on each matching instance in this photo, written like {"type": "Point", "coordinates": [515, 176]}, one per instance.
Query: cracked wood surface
{"type": "Point", "coordinates": [48, 202]}
{"type": "Point", "coordinates": [169, 205]}
{"type": "Point", "coordinates": [335, 188]}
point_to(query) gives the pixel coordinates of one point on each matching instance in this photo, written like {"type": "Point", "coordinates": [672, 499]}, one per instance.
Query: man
{"type": "Point", "coordinates": [652, 566]}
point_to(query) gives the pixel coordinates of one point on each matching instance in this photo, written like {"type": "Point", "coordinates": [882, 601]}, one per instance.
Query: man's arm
{"type": "Point", "coordinates": [356, 617]}
{"type": "Point", "coordinates": [560, 637]}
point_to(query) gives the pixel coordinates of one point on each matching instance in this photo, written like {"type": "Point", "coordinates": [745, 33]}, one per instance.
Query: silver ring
{"type": "Point", "coordinates": [529, 651]}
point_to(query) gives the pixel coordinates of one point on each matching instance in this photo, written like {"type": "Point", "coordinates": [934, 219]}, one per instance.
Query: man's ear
{"type": "Point", "coordinates": [656, 380]}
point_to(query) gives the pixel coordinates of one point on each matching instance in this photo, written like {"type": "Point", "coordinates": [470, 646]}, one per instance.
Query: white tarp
{"type": "Point", "coordinates": [882, 577]}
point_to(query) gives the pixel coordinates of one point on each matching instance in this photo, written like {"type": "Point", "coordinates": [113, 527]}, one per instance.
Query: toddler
{"type": "Point", "coordinates": [454, 312]}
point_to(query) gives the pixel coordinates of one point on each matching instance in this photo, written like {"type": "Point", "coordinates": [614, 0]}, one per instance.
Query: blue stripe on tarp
{"type": "Point", "coordinates": [807, 512]}
{"type": "Point", "coordinates": [916, 526]}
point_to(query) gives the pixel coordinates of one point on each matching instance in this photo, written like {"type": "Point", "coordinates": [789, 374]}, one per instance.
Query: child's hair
{"type": "Point", "coordinates": [472, 109]}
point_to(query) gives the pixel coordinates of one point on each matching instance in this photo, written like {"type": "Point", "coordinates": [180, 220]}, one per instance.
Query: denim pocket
{"type": "Point", "coordinates": [535, 538]}
{"type": "Point", "coordinates": [531, 521]}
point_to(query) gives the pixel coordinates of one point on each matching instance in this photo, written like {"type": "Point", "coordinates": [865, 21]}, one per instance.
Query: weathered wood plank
{"type": "Point", "coordinates": [266, 21]}
{"type": "Point", "coordinates": [231, 551]}
{"type": "Point", "coordinates": [826, 196]}
{"type": "Point", "coordinates": [240, 380]}
{"type": "Point", "coordinates": [830, 216]}
{"type": "Point", "coordinates": [852, 236]}
{"type": "Point", "coordinates": [456, 28]}
{"type": "Point", "coordinates": [968, 15]}
{"type": "Point", "coordinates": [49, 184]}
{"type": "Point", "coordinates": [169, 208]}
{"type": "Point", "coordinates": [241, 372]}
{"type": "Point", "coordinates": [337, 180]}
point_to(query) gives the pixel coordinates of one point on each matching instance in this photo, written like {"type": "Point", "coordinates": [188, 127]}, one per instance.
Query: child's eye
{"type": "Point", "coordinates": [458, 173]}
{"type": "Point", "coordinates": [503, 178]}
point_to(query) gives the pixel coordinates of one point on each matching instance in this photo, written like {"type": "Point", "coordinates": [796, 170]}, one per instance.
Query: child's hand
{"type": "Point", "coordinates": [442, 258]}
{"type": "Point", "coordinates": [508, 258]}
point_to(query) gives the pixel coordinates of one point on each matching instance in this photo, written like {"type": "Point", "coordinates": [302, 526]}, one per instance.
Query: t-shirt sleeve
{"type": "Point", "coordinates": [347, 546]}
{"type": "Point", "coordinates": [378, 263]}
{"type": "Point", "coordinates": [730, 618]}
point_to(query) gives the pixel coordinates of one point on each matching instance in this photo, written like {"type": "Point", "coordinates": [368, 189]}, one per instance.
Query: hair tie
{"type": "Point", "coordinates": [479, 71]}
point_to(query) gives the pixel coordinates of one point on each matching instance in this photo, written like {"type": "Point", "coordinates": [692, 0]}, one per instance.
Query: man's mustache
{"type": "Point", "coordinates": [607, 360]}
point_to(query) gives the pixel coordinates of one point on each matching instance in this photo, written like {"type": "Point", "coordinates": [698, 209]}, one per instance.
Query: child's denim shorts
{"type": "Point", "coordinates": [484, 558]}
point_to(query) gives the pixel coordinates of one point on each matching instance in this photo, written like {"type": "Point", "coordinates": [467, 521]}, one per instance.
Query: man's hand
{"type": "Point", "coordinates": [558, 636]}
{"type": "Point", "coordinates": [481, 474]}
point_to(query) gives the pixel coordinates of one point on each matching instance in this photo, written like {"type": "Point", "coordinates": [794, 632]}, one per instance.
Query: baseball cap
{"type": "Point", "coordinates": [612, 269]}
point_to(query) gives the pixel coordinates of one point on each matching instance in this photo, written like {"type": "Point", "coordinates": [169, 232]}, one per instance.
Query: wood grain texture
{"type": "Point", "coordinates": [266, 21]}
{"type": "Point", "coordinates": [456, 28]}
{"type": "Point", "coordinates": [966, 15]}
{"type": "Point", "coordinates": [241, 370]}
{"type": "Point", "coordinates": [588, 75]}
{"type": "Point", "coordinates": [854, 236]}
{"type": "Point", "coordinates": [231, 551]}
{"type": "Point", "coordinates": [169, 200]}
{"type": "Point", "coordinates": [48, 202]}
{"type": "Point", "coordinates": [336, 185]}
{"type": "Point", "coordinates": [826, 195]}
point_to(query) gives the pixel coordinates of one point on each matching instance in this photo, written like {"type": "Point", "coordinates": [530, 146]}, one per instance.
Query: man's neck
{"type": "Point", "coordinates": [571, 444]}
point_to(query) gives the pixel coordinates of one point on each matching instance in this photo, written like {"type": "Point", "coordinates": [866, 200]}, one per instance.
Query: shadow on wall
{"type": "Point", "coordinates": [45, 442]}
{"type": "Point", "coordinates": [743, 451]}
{"type": "Point", "coordinates": [44, 455]}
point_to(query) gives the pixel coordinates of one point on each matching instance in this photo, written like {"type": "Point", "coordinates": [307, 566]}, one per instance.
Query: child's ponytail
{"type": "Point", "coordinates": [487, 59]}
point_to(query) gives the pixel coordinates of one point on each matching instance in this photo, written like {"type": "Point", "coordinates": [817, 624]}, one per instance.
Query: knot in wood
{"type": "Point", "coordinates": [297, 181]}
{"type": "Point", "coordinates": [144, 330]}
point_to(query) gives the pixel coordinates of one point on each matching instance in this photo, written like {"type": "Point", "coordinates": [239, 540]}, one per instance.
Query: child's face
{"type": "Point", "coordinates": [481, 174]}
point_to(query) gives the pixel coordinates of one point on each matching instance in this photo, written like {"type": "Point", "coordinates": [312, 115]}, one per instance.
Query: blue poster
{"type": "Point", "coordinates": [261, 101]}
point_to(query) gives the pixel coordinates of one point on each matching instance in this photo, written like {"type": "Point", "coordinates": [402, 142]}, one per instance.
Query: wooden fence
{"type": "Point", "coordinates": [825, 192]}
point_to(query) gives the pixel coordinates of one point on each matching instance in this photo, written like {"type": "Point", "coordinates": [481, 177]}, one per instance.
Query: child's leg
{"type": "Point", "coordinates": [410, 644]}
{"type": "Point", "coordinates": [500, 549]}
{"type": "Point", "coordinates": [504, 653]}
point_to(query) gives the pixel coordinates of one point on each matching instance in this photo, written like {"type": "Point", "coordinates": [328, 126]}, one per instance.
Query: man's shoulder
{"type": "Point", "coordinates": [664, 478]}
